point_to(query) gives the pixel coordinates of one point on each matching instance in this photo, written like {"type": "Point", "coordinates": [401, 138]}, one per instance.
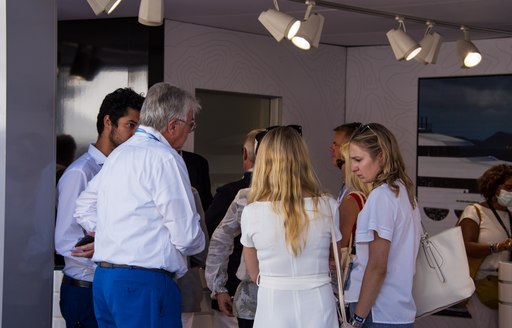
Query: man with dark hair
{"type": "Point", "coordinates": [116, 122]}
{"type": "Point", "coordinates": [141, 207]}
{"type": "Point", "coordinates": [342, 135]}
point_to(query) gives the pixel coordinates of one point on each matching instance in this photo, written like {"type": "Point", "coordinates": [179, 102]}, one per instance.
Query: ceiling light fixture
{"type": "Point", "coordinates": [151, 12]}
{"type": "Point", "coordinates": [310, 29]}
{"type": "Point", "coordinates": [279, 24]}
{"type": "Point", "coordinates": [404, 47]}
{"type": "Point", "coordinates": [99, 6]}
{"type": "Point", "coordinates": [430, 45]}
{"type": "Point", "coordinates": [469, 55]}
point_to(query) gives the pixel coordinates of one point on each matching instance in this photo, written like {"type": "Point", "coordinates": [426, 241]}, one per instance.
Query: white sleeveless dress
{"type": "Point", "coordinates": [294, 292]}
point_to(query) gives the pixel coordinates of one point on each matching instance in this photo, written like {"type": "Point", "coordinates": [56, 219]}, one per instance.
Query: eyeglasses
{"type": "Point", "coordinates": [259, 136]}
{"type": "Point", "coordinates": [192, 125]}
{"type": "Point", "coordinates": [362, 128]}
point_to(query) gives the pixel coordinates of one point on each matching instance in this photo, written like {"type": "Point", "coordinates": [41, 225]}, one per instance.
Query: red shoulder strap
{"type": "Point", "coordinates": [359, 198]}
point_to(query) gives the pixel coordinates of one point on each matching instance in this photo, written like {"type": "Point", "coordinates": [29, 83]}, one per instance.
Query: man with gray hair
{"type": "Point", "coordinates": [143, 213]}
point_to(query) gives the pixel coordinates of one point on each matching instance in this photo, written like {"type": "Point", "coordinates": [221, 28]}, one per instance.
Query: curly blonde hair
{"type": "Point", "coordinates": [283, 175]}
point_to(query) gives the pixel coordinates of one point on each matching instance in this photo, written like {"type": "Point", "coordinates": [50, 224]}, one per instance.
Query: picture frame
{"type": "Point", "coordinates": [464, 128]}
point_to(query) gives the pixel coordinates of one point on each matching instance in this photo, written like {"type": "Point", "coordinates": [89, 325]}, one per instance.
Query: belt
{"type": "Point", "coordinates": [75, 282]}
{"type": "Point", "coordinates": [293, 283]}
{"type": "Point", "coordinates": [126, 266]}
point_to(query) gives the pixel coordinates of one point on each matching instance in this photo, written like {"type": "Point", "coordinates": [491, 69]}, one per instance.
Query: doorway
{"type": "Point", "coordinates": [224, 121]}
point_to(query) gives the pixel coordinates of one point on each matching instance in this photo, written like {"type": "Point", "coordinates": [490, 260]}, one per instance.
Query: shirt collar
{"type": "Point", "coordinates": [96, 154]}
{"type": "Point", "coordinates": [155, 133]}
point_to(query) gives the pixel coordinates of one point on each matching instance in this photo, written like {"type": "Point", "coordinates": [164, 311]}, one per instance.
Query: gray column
{"type": "Point", "coordinates": [28, 43]}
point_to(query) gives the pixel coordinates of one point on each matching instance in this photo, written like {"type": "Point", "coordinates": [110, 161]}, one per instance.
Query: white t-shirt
{"type": "Point", "coordinates": [491, 232]}
{"type": "Point", "coordinates": [394, 219]}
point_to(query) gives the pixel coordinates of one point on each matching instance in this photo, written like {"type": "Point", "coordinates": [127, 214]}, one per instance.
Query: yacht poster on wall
{"type": "Point", "coordinates": [464, 128]}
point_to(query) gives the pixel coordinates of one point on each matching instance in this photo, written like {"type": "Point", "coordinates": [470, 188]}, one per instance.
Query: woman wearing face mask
{"type": "Point", "coordinates": [486, 228]}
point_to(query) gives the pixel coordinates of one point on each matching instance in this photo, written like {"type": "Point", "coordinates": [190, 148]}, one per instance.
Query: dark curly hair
{"type": "Point", "coordinates": [495, 176]}
{"type": "Point", "coordinates": [116, 104]}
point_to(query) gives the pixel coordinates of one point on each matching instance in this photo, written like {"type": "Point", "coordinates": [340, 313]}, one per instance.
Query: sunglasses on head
{"type": "Point", "coordinates": [259, 136]}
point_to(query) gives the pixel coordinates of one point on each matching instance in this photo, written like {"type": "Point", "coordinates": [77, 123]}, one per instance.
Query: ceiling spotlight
{"type": "Point", "coordinates": [430, 45]}
{"type": "Point", "coordinates": [279, 24]}
{"type": "Point", "coordinates": [151, 12]}
{"type": "Point", "coordinates": [310, 30]}
{"type": "Point", "coordinates": [469, 55]}
{"type": "Point", "coordinates": [404, 47]}
{"type": "Point", "coordinates": [99, 6]}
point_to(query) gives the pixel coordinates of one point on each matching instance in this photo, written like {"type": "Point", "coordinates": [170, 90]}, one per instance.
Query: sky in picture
{"type": "Point", "coordinates": [472, 107]}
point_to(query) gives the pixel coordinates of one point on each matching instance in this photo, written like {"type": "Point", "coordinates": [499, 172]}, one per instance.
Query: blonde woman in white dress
{"type": "Point", "coordinates": [286, 233]}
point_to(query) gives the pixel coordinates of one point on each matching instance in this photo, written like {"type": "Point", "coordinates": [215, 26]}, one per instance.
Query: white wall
{"type": "Point", "coordinates": [312, 84]}
{"type": "Point", "coordinates": [383, 90]}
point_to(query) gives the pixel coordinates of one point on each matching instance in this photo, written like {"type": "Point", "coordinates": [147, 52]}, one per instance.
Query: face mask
{"type": "Point", "coordinates": [505, 198]}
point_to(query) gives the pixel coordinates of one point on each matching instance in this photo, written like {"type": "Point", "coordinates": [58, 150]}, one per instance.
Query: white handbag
{"type": "Point", "coordinates": [442, 273]}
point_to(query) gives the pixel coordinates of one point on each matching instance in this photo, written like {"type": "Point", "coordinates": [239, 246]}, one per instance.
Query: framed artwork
{"type": "Point", "coordinates": [464, 128]}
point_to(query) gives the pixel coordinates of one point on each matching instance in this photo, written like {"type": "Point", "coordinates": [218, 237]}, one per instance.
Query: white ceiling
{"type": "Point", "coordinates": [345, 28]}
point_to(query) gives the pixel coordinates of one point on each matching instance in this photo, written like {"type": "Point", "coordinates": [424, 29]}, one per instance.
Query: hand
{"type": "Point", "coordinates": [225, 303]}
{"type": "Point", "coordinates": [86, 250]}
{"type": "Point", "coordinates": [347, 325]}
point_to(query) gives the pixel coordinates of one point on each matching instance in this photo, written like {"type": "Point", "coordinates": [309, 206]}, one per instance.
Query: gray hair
{"type": "Point", "coordinates": [165, 102]}
{"type": "Point", "coordinates": [249, 143]}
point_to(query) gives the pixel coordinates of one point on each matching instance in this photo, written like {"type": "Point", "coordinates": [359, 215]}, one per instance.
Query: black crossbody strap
{"type": "Point", "coordinates": [499, 219]}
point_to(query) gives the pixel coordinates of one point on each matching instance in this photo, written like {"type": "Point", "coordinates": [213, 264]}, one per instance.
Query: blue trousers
{"type": "Point", "coordinates": [77, 307]}
{"type": "Point", "coordinates": [128, 297]}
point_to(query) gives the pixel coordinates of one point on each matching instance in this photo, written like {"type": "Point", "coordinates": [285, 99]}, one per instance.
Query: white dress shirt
{"type": "Point", "coordinates": [141, 206]}
{"type": "Point", "coordinates": [67, 230]}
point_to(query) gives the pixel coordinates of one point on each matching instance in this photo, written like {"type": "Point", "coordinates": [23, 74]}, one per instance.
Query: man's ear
{"type": "Point", "coordinates": [107, 123]}
{"type": "Point", "coordinates": [244, 154]}
{"type": "Point", "coordinates": [171, 125]}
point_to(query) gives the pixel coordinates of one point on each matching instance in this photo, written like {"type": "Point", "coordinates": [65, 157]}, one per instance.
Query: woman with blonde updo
{"type": "Point", "coordinates": [286, 233]}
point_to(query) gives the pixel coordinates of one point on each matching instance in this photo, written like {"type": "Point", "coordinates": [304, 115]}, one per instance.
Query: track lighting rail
{"type": "Point", "coordinates": [408, 18]}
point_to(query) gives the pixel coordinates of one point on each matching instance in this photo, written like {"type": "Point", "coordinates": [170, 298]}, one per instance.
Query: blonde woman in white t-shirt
{"type": "Point", "coordinates": [487, 235]}
{"type": "Point", "coordinates": [387, 235]}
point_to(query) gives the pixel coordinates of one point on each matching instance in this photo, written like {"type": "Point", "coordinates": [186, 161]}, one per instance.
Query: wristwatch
{"type": "Point", "coordinates": [357, 321]}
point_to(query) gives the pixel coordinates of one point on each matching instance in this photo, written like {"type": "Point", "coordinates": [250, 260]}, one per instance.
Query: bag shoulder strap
{"type": "Point", "coordinates": [359, 197]}
{"type": "Point", "coordinates": [479, 213]}
{"type": "Point", "coordinates": [475, 262]}
{"type": "Point", "coordinates": [338, 274]}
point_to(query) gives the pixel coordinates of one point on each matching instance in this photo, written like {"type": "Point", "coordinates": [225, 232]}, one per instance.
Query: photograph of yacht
{"type": "Point", "coordinates": [446, 184]}
{"type": "Point", "coordinates": [464, 128]}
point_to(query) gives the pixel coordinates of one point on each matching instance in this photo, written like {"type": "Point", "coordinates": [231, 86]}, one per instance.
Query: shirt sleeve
{"type": "Point", "coordinates": [246, 238]}
{"type": "Point", "coordinates": [470, 213]}
{"type": "Point", "coordinates": [175, 202]}
{"type": "Point", "coordinates": [221, 245]}
{"type": "Point", "coordinates": [378, 215]}
{"type": "Point", "coordinates": [335, 215]}
{"type": "Point", "coordinates": [67, 230]}
{"type": "Point", "coordinates": [86, 205]}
